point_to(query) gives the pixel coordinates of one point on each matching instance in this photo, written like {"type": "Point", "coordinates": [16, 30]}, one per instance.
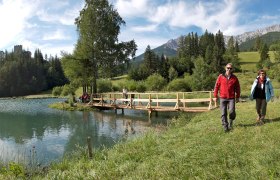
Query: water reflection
{"type": "Point", "coordinates": [29, 127]}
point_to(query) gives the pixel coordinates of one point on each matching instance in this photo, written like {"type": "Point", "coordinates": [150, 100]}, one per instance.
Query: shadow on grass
{"type": "Point", "coordinates": [265, 122]}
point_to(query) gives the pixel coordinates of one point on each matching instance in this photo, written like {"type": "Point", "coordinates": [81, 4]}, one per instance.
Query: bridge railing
{"type": "Point", "coordinates": [177, 100]}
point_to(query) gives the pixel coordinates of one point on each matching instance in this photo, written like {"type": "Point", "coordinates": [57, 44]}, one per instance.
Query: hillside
{"type": "Point", "coordinates": [268, 38]}
{"type": "Point", "coordinates": [168, 49]}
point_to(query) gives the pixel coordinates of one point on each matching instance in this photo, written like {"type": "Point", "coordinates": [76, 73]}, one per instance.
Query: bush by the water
{"type": "Point", "coordinates": [104, 85]}
{"type": "Point", "coordinates": [68, 89]}
{"type": "Point", "coordinates": [155, 82]}
{"type": "Point", "coordinates": [179, 84]}
{"type": "Point", "coordinates": [57, 90]}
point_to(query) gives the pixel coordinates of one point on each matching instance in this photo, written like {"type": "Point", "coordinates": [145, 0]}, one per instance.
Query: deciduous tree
{"type": "Point", "coordinates": [98, 27]}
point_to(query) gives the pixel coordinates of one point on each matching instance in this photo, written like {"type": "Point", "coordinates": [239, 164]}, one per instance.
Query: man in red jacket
{"type": "Point", "coordinates": [229, 88]}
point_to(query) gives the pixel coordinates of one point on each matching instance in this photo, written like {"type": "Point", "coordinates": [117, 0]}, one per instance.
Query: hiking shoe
{"type": "Point", "coordinates": [259, 123]}
{"type": "Point", "coordinates": [226, 130]}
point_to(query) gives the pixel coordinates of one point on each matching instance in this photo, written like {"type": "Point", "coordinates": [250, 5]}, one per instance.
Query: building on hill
{"type": "Point", "coordinates": [18, 50]}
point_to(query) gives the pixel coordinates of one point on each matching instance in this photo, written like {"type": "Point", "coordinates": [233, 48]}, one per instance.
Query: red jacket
{"type": "Point", "coordinates": [227, 87]}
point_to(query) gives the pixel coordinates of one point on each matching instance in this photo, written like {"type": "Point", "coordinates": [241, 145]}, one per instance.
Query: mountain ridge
{"type": "Point", "coordinates": [171, 45]}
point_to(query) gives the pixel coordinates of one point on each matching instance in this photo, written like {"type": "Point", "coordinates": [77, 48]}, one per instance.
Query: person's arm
{"type": "Point", "coordinates": [271, 91]}
{"type": "Point", "coordinates": [237, 89]}
{"type": "Point", "coordinates": [253, 89]}
{"type": "Point", "coordinates": [217, 87]}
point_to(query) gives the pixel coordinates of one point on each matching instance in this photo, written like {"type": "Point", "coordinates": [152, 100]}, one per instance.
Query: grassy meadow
{"type": "Point", "coordinates": [248, 60]}
{"type": "Point", "coordinates": [191, 147]}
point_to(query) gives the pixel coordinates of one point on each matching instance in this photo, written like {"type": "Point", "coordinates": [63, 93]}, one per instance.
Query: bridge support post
{"type": "Point", "coordinates": [150, 113]}
{"type": "Point", "coordinates": [89, 147]}
{"type": "Point", "coordinates": [122, 111]}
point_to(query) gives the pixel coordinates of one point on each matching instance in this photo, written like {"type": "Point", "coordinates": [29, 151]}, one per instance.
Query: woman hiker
{"type": "Point", "coordinates": [262, 91]}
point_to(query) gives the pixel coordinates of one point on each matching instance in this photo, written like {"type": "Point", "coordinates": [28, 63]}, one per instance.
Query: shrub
{"type": "Point", "coordinates": [155, 82]}
{"type": "Point", "coordinates": [273, 72]}
{"type": "Point", "coordinates": [173, 74]}
{"type": "Point", "coordinates": [116, 88]}
{"type": "Point", "coordinates": [140, 86]}
{"type": "Point", "coordinates": [16, 169]}
{"type": "Point", "coordinates": [104, 85]}
{"type": "Point", "coordinates": [179, 85]}
{"type": "Point", "coordinates": [57, 90]}
{"type": "Point", "coordinates": [131, 85]}
{"type": "Point", "coordinates": [138, 73]}
{"type": "Point", "coordinates": [68, 89]}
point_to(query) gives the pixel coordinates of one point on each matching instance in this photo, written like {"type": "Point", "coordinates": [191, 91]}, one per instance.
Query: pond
{"type": "Point", "coordinates": [30, 131]}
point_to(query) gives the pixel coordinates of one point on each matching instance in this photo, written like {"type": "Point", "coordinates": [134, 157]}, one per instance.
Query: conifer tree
{"type": "Point", "coordinates": [264, 61]}
{"type": "Point", "coordinates": [218, 62]}
{"type": "Point", "coordinates": [163, 67]}
{"type": "Point", "coordinates": [207, 39]}
{"type": "Point", "coordinates": [236, 46]}
{"type": "Point", "coordinates": [203, 77]}
{"type": "Point", "coordinates": [258, 44]}
{"type": "Point", "coordinates": [231, 55]}
{"type": "Point", "coordinates": [150, 60]}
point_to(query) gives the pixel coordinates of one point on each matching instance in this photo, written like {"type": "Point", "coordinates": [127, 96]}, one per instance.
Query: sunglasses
{"type": "Point", "coordinates": [262, 74]}
{"type": "Point", "coordinates": [229, 68]}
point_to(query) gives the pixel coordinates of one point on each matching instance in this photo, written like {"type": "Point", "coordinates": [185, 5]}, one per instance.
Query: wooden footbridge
{"type": "Point", "coordinates": [198, 101]}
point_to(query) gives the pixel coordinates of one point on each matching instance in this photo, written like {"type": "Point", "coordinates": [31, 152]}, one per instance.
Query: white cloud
{"type": "Point", "coordinates": [212, 16]}
{"type": "Point", "coordinates": [31, 22]}
{"type": "Point", "coordinates": [51, 50]}
{"type": "Point", "coordinates": [13, 16]}
{"type": "Point", "coordinates": [133, 8]}
{"type": "Point", "coordinates": [65, 18]}
{"type": "Point", "coordinates": [223, 15]}
{"type": "Point", "coordinates": [148, 28]}
{"type": "Point", "coordinates": [57, 35]}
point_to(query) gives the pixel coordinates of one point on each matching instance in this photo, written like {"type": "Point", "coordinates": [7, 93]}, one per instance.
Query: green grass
{"type": "Point", "coordinates": [248, 60]}
{"type": "Point", "coordinates": [192, 147]}
{"type": "Point", "coordinates": [67, 107]}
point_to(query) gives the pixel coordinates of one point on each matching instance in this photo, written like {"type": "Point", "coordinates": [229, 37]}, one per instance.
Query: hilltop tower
{"type": "Point", "coordinates": [18, 49]}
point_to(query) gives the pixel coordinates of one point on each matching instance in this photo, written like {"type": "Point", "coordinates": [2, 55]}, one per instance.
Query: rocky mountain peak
{"type": "Point", "coordinates": [173, 43]}
{"type": "Point", "coordinates": [253, 34]}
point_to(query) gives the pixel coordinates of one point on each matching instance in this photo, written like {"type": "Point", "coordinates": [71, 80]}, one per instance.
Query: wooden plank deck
{"type": "Point", "coordinates": [156, 102]}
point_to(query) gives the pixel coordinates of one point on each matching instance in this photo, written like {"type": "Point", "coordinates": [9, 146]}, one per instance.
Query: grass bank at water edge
{"type": "Point", "coordinates": [192, 147]}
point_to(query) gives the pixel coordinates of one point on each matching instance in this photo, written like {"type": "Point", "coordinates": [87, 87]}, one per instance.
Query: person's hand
{"type": "Point", "coordinates": [215, 99]}
{"type": "Point", "coordinates": [272, 98]}
{"type": "Point", "coordinates": [237, 100]}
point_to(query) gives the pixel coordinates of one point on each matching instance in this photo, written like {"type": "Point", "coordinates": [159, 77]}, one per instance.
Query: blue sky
{"type": "Point", "coordinates": [49, 24]}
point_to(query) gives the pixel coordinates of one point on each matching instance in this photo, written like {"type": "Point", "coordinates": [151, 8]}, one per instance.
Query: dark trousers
{"type": "Point", "coordinates": [261, 107]}
{"type": "Point", "coordinates": [225, 106]}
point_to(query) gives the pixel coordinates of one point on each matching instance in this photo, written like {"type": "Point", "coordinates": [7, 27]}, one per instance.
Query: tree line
{"type": "Point", "coordinates": [21, 74]}
{"type": "Point", "coordinates": [202, 58]}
